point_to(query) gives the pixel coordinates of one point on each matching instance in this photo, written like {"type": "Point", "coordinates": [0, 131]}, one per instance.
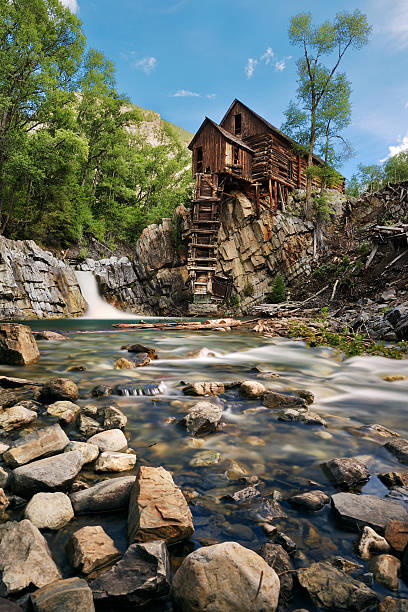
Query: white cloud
{"type": "Point", "coordinates": [250, 67]}
{"type": "Point", "coordinates": [72, 5]}
{"type": "Point", "coordinates": [398, 148]}
{"type": "Point", "coordinates": [184, 93]}
{"type": "Point", "coordinates": [393, 21]}
{"type": "Point", "coordinates": [266, 58]}
{"type": "Point", "coordinates": [147, 64]}
{"type": "Point", "coordinates": [406, 105]}
{"type": "Point", "coordinates": [211, 96]}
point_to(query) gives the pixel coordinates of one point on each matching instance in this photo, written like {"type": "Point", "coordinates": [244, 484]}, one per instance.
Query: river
{"type": "Point", "coordinates": [286, 457]}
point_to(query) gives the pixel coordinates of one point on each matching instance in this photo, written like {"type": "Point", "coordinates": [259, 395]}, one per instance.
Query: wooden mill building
{"type": "Point", "coordinates": [245, 151]}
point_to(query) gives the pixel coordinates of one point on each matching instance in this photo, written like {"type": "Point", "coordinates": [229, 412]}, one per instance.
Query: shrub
{"type": "Point", "coordinates": [278, 290]}
{"type": "Point", "coordinates": [248, 290]}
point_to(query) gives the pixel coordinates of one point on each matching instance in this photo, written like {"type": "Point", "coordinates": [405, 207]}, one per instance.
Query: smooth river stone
{"type": "Point", "coordinates": [346, 472]}
{"type": "Point", "coordinates": [38, 444]}
{"type": "Point", "coordinates": [356, 511]}
{"type": "Point", "coordinates": [15, 417]}
{"type": "Point", "coordinates": [52, 474]}
{"type": "Point", "coordinates": [70, 595]}
{"type": "Point", "coordinates": [105, 496]}
{"type": "Point", "coordinates": [399, 448]}
{"type": "Point", "coordinates": [115, 462]}
{"type": "Point", "coordinates": [112, 440]}
{"type": "Point", "coordinates": [49, 510]}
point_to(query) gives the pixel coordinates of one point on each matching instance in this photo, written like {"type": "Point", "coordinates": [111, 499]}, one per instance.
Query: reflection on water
{"type": "Point", "coordinates": [286, 457]}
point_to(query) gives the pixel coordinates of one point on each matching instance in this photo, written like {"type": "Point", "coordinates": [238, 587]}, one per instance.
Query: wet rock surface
{"type": "Point", "coordinates": [108, 495]}
{"type": "Point", "coordinates": [371, 544]}
{"type": "Point", "coordinates": [238, 569]}
{"type": "Point", "coordinates": [72, 594]}
{"type": "Point", "coordinates": [386, 569]}
{"type": "Point", "coordinates": [399, 448]}
{"type": "Point", "coordinates": [112, 440]}
{"type": "Point", "coordinates": [359, 510]}
{"type": "Point", "coordinates": [204, 388]}
{"type": "Point", "coordinates": [51, 474]}
{"type": "Point", "coordinates": [40, 443]}
{"type": "Point", "coordinates": [346, 473]}
{"type": "Point", "coordinates": [277, 558]}
{"type": "Point", "coordinates": [396, 534]}
{"type": "Point", "coordinates": [202, 418]}
{"type": "Point", "coordinates": [313, 500]}
{"type": "Point", "coordinates": [58, 389]}
{"type": "Point", "coordinates": [91, 549]}
{"type": "Point", "coordinates": [17, 345]}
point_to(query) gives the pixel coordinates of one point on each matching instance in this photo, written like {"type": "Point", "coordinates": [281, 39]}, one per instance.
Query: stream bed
{"type": "Point", "coordinates": [285, 456]}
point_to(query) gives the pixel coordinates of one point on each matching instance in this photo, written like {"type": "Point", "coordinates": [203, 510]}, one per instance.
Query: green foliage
{"type": "Point", "coordinates": [278, 290]}
{"type": "Point", "coordinates": [233, 301]}
{"type": "Point", "coordinates": [322, 207]}
{"type": "Point", "coordinates": [71, 162]}
{"type": "Point", "coordinates": [371, 178]}
{"type": "Point", "coordinates": [248, 290]}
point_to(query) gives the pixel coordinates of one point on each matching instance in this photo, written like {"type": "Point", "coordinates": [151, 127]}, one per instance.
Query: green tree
{"type": "Point", "coordinates": [278, 290]}
{"type": "Point", "coordinates": [330, 39]}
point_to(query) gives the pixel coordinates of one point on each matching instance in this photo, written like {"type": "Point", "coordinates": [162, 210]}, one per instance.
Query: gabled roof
{"type": "Point", "coordinates": [271, 127]}
{"type": "Point", "coordinates": [227, 135]}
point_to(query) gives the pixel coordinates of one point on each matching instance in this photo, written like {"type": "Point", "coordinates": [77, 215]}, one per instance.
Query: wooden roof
{"type": "Point", "coordinates": [270, 127]}
{"type": "Point", "coordinates": [227, 135]}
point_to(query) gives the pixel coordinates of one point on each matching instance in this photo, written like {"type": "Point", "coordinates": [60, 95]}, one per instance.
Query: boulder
{"type": "Point", "coordinates": [49, 335]}
{"type": "Point", "coordinates": [331, 589]}
{"type": "Point", "coordinates": [277, 558]}
{"type": "Point", "coordinates": [399, 448]}
{"type": "Point", "coordinates": [346, 473]}
{"type": "Point", "coordinates": [140, 360]}
{"type": "Point", "coordinates": [64, 411]}
{"type": "Point", "coordinates": [251, 389]}
{"type": "Point", "coordinates": [386, 569]}
{"type": "Point", "coordinates": [272, 399]}
{"type": "Point", "coordinates": [89, 452]}
{"type": "Point", "coordinates": [112, 440]}
{"type": "Point", "coordinates": [91, 549]}
{"type": "Point", "coordinates": [356, 511]}
{"type": "Point", "coordinates": [390, 604]}
{"type": "Point", "coordinates": [124, 364]}
{"type": "Point", "coordinates": [71, 595]}
{"type": "Point", "coordinates": [202, 418]}
{"type": "Point", "coordinates": [88, 426]}
{"type": "Point", "coordinates": [394, 479]}
{"type": "Point", "coordinates": [157, 508]}
{"type": "Point", "coordinates": [17, 345]}
{"type": "Point", "coordinates": [101, 391]}
{"type": "Point", "coordinates": [40, 443]}
{"type": "Point", "coordinates": [115, 462]}
{"type": "Point", "coordinates": [51, 474]}
{"type": "Point", "coordinates": [140, 348]}
{"type": "Point", "coordinates": [105, 496]}
{"type": "Point", "coordinates": [49, 510]}
{"type": "Point", "coordinates": [313, 500]}
{"type": "Point", "coordinates": [16, 417]}
{"type": "Point", "coordinates": [113, 418]}
{"type": "Point", "coordinates": [371, 544]}
{"type": "Point", "coordinates": [142, 576]}
{"type": "Point", "coordinates": [248, 583]}
{"type": "Point", "coordinates": [25, 559]}
{"type": "Point", "coordinates": [396, 534]}
{"type": "Point", "coordinates": [204, 388]}
{"type": "Point", "coordinates": [58, 389]}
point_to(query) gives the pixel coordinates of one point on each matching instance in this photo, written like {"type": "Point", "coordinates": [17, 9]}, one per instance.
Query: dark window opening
{"type": "Point", "coordinates": [199, 159]}
{"type": "Point", "coordinates": [208, 170]}
{"type": "Point", "coordinates": [238, 123]}
{"type": "Point", "coordinates": [236, 156]}
{"type": "Point", "coordinates": [290, 169]}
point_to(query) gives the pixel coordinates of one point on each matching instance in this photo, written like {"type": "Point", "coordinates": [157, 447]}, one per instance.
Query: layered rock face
{"type": "Point", "coordinates": [35, 285]}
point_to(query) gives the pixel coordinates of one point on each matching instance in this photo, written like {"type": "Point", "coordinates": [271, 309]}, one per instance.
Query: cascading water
{"type": "Point", "coordinates": [97, 307]}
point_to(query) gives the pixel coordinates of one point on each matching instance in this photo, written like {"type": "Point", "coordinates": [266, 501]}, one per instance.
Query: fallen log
{"type": "Point", "coordinates": [215, 324]}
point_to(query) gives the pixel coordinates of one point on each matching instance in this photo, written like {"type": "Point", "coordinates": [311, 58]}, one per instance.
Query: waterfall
{"type": "Point", "coordinates": [97, 307]}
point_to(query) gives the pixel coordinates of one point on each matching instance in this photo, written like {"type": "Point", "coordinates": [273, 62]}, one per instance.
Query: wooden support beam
{"type": "Point", "coordinates": [270, 193]}
{"type": "Point", "coordinates": [276, 194]}
{"type": "Point", "coordinates": [299, 172]}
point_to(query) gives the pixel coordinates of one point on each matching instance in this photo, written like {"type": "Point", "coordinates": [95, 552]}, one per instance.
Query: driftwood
{"type": "Point", "coordinates": [292, 307]}
{"type": "Point", "coordinates": [8, 382]}
{"type": "Point", "coordinates": [214, 324]}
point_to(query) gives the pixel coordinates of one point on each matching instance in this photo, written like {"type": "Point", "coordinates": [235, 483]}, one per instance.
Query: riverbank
{"type": "Point", "coordinates": [253, 448]}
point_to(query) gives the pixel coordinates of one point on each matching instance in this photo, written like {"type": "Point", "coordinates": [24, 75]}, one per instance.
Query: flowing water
{"type": "Point", "coordinates": [286, 457]}
{"type": "Point", "coordinates": [98, 308]}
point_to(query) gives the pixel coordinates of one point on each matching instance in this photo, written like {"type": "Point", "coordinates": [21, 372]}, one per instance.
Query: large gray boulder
{"type": "Point", "coordinates": [225, 578]}
{"type": "Point", "coordinates": [202, 418]}
{"type": "Point", "coordinates": [49, 510]}
{"type": "Point", "coordinates": [103, 497]}
{"type": "Point", "coordinates": [17, 345]}
{"type": "Point", "coordinates": [138, 579]}
{"type": "Point", "coordinates": [52, 474]}
{"type": "Point", "coordinates": [38, 444]}
{"type": "Point", "coordinates": [331, 589]}
{"type": "Point", "coordinates": [157, 510]}
{"type": "Point", "coordinates": [70, 595]}
{"type": "Point", "coordinates": [25, 559]}
{"type": "Point", "coordinates": [356, 511]}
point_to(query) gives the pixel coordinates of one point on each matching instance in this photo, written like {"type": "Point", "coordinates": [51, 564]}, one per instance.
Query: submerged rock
{"type": "Point", "coordinates": [313, 500]}
{"type": "Point", "coordinates": [346, 473]}
{"type": "Point", "coordinates": [356, 511]}
{"type": "Point", "coordinates": [91, 549]}
{"type": "Point", "coordinates": [205, 457]}
{"type": "Point", "coordinates": [51, 474]}
{"type": "Point", "coordinates": [124, 364]}
{"type": "Point", "coordinates": [202, 418]}
{"type": "Point", "coordinates": [248, 583]}
{"type": "Point", "coordinates": [140, 348]}
{"type": "Point", "coordinates": [371, 543]}
{"type": "Point", "coordinates": [204, 388]}
{"type": "Point", "coordinates": [49, 510]}
{"type": "Point", "coordinates": [112, 440]}
{"type": "Point", "coordinates": [399, 448]}
{"type": "Point", "coordinates": [142, 576]}
{"type": "Point", "coordinates": [331, 589]}
{"type": "Point", "coordinates": [101, 391]}
{"type": "Point", "coordinates": [105, 496]}
{"type": "Point", "coordinates": [25, 559]}
{"type": "Point", "coordinates": [157, 508]}
{"type": "Point", "coordinates": [72, 595]}
{"type": "Point", "coordinates": [40, 443]}
{"type": "Point", "coordinates": [17, 345]}
{"type": "Point", "coordinates": [58, 389]}
{"type": "Point", "coordinates": [272, 399]}
{"type": "Point", "coordinates": [251, 389]}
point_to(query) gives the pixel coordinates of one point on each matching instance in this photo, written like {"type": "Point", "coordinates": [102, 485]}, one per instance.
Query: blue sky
{"type": "Point", "coordinates": [189, 58]}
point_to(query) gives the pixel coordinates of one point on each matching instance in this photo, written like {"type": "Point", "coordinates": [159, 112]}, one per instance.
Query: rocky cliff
{"type": "Point", "coordinates": [34, 284]}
